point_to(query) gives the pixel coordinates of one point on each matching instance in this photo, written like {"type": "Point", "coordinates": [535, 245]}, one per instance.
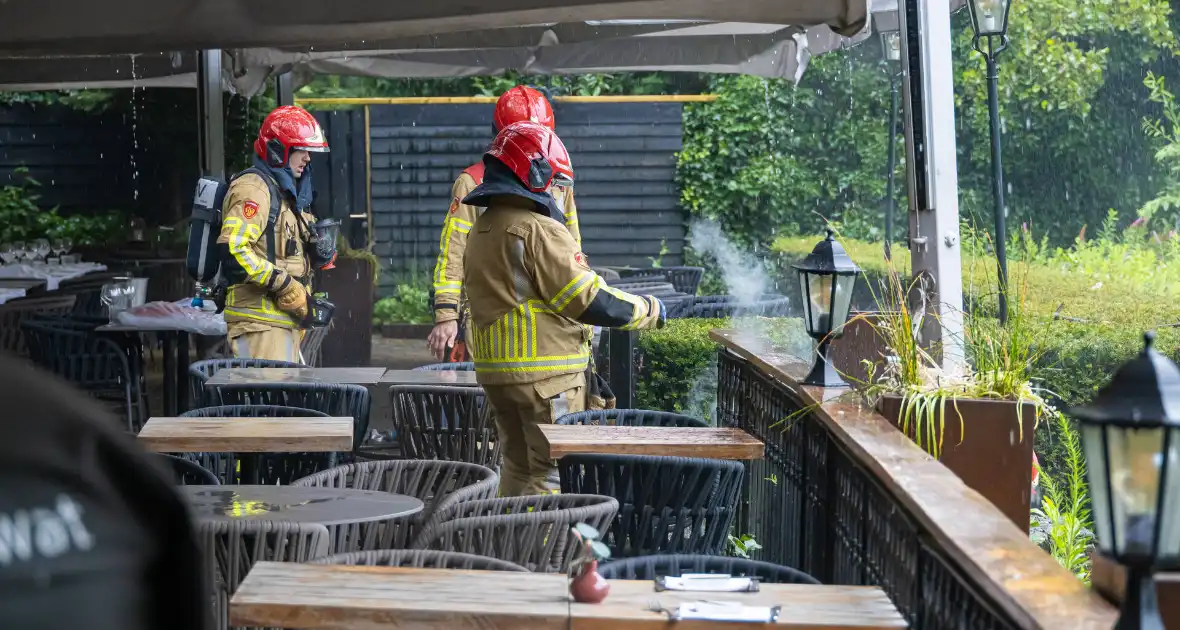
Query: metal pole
{"type": "Point", "coordinates": [932, 178]}
{"type": "Point", "coordinates": [993, 105]}
{"type": "Point", "coordinates": [284, 89]}
{"type": "Point", "coordinates": [211, 114]}
{"type": "Point", "coordinates": [890, 203]}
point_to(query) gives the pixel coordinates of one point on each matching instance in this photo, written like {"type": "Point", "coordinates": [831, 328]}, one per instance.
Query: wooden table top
{"type": "Point", "coordinates": [456, 378]}
{"type": "Point", "coordinates": [337, 375]}
{"type": "Point", "coordinates": [247, 435]}
{"type": "Point", "coordinates": [723, 443]}
{"type": "Point", "coordinates": [327, 506]}
{"type": "Point", "coordinates": [367, 598]}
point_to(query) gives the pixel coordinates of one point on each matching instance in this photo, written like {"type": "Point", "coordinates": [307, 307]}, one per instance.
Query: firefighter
{"type": "Point", "coordinates": [266, 258]}
{"type": "Point", "coordinates": [518, 104]}
{"type": "Point", "coordinates": [533, 299]}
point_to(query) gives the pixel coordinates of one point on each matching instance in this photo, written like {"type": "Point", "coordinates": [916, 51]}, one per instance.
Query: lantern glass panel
{"type": "Point", "coordinates": [817, 298]}
{"type": "Point", "coordinates": [1093, 445]}
{"type": "Point", "coordinates": [842, 300]}
{"type": "Point", "coordinates": [1168, 554]}
{"type": "Point", "coordinates": [990, 16]}
{"type": "Point", "coordinates": [1136, 458]}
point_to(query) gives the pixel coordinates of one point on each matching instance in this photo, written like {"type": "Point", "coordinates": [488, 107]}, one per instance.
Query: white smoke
{"type": "Point", "coordinates": [744, 276]}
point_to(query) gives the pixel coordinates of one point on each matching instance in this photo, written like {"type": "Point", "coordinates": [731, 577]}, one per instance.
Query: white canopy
{"type": "Point", "coordinates": [69, 44]}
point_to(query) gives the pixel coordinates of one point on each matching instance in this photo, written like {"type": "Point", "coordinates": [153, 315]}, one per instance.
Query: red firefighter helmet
{"type": "Point", "coordinates": [288, 128]}
{"type": "Point", "coordinates": [520, 104]}
{"type": "Point", "coordinates": [534, 153]}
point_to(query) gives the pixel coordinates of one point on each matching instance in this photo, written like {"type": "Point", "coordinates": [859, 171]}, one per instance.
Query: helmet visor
{"type": "Point", "coordinates": [319, 149]}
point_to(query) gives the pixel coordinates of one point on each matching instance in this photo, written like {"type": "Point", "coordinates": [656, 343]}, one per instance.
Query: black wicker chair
{"type": "Point", "coordinates": [533, 531]}
{"type": "Point", "coordinates": [465, 366]}
{"type": "Point", "coordinates": [655, 567]}
{"type": "Point", "coordinates": [92, 362]}
{"type": "Point", "coordinates": [15, 312]}
{"type": "Point", "coordinates": [335, 399]}
{"type": "Point", "coordinates": [199, 372]}
{"type": "Point", "coordinates": [436, 422]}
{"type": "Point", "coordinates": [632, 418]}
{"type": "Point", "coordinates": [438, 484]}
{"type": "Point", "coordinates": [666, 504]}
{"type": "Point", "coordinates": [189, 473]}
{"type": "Point", "coordinates": [281, 468]}
{"type": "Point", "coordinates": [718, 306]}
{"type": "Point", "coordinates": [685, 279]}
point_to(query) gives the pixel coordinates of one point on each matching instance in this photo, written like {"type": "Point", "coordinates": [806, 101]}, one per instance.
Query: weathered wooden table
{"type": "Point", "coordinates": [723, 443]}
{"type": "Point", "coordinates": [367, 598]}
{"type": "Point", "coordinates": [327, 506]}
{"type": "Point", "coordinates": [247, 435]}
{"type": "Point", "coordinates": [335, 375]}
{"type": "Point", "coordinates": [456, 378]}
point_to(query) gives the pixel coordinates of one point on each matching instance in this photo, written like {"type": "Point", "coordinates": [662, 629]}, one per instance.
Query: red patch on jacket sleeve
{"type": "Point", "coordinates": [580, 259]}
{"type": "Point", "coordinates": [250, 209]}
{"type": "Point", "coordinates": [454, 205]}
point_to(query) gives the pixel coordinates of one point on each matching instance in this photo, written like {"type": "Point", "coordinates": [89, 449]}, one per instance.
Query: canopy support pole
{"type": "Point", "coordinates": [210, 113]}
{"type": "Point", "coordinates": [284, 89]}
{"type": "Point", "coordinates": [932, 178]}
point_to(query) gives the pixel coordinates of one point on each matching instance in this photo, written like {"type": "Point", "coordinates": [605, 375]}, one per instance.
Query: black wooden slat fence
{"type": "Point", "coordinates": [624, 163]}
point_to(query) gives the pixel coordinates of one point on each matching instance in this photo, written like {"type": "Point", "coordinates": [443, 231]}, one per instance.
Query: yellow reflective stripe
{"type": "Point", "coordinates": [256, 315]}
{"type": "Point", "coordinates": [453, 225]}
{"type": "Point", "coordinates": [241, 245]}
{"type": "Point", "coordinates": [572, 290]}
{"type": "Point", "coordinates": [638, 304]}
{"type": "Point", "coordinates": [535, 364]}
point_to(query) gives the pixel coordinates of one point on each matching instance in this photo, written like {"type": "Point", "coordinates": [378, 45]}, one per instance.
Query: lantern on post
{"type": "Point", "coordinates": [1131, 438]}
{"type": "Point", "coordinates": [826, 279]}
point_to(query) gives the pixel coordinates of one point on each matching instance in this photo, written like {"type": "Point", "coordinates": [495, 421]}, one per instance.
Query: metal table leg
{"type": "Point", "coordinates": [181, 376]}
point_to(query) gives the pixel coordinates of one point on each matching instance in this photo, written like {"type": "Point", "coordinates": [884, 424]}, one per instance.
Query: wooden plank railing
{"type": "Point", "coordinates": [845, 496]}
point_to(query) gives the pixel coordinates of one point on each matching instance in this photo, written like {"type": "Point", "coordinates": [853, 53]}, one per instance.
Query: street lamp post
{"type": "Point", "coordinates": [891, 51]}
{"type": "Point", "coordinates": [1131, 438]}
{"type": "Point", "coordinates": [989, 19]}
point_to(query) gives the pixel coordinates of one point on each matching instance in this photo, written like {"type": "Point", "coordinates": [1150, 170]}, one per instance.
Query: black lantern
{"type": "Point", "coordinates": [891, 45]}
{"type": "Point", "coordinates": [989, 17]}
{"type": "Point", "coordinates": [1131, 438]}
{"type": "Point", "coordinates": [826, 278]}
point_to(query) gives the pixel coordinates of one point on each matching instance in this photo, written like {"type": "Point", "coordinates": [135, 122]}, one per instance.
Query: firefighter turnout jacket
{"type": "Point", "coordinates": [243, 225]}
{"type": "Point", "coordinates": [448, 270]}
{"type": "Point", "coordinates": [533, 297]}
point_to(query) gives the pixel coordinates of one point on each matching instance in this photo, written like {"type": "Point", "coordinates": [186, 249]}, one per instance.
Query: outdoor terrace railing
{"type": "Point", "coordinates": [844, 496]}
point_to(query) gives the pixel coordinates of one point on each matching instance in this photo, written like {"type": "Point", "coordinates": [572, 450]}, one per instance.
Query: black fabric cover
{"type": "Point", "coordinates": [93, 533]}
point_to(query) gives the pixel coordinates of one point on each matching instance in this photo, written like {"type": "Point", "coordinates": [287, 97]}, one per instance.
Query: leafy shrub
{"type": "Point", "coordinates": [410, 304]}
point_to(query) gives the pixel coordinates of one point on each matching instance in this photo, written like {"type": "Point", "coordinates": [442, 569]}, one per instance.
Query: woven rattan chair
{"type": "Point", "coordinates": [232, 548]}
{"type": "Point", "coordinates": [654, 567]}
{"type": "Point", "coordinates": [533, 532]}
{"type": "Point", "coordinates": [666, 504]}
{"type": "Point", "coordinates": [188, 472]}
{"type": "Point", "coordinates": [631, 418]}
{"type": "Point", "coordinates": [437, 422]}
{"type": "Point", "coordinates": [438, 484]}
{"type": "Point", "coordinates": [421, 559]}
{"type": "Point", "coordinates": [12, 314]}
{"type": "Point", "coordinates": [201, 371]}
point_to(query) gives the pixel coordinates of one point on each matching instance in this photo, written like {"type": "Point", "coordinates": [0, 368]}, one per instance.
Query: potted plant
{"type": "Point", "coordinates": [587, 585]}
{"type": "Point", "coordinates": [979, 423]}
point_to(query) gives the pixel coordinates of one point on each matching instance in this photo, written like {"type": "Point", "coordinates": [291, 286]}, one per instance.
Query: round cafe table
{"type": "Point", "coordinates": [327, 506]}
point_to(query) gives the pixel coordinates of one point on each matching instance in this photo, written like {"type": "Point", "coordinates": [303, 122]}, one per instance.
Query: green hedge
{"type": "Point", "coordinates": [678, 368]}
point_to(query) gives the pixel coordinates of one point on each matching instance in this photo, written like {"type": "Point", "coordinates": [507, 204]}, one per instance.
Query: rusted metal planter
{"type": "Point", "coordinates": [985, 449]}
{"type": "Point", "coordinates": [350, 287]}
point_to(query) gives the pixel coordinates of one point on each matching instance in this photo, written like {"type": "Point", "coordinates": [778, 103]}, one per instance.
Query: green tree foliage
{"type": "Point", "coordinates": [767, 157]}
{"type": "Point", "coordinates": [1163, 212]}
